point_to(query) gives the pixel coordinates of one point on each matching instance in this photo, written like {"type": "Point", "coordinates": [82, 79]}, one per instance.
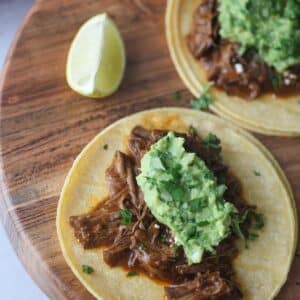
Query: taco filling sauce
{"type": "Point", "coordinates": [190, 247]}
{"type": "Point", "coordinates": [249, 48]}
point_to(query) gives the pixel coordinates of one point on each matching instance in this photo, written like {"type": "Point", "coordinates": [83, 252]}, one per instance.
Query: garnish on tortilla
{"type": "Point", "coordinates": [126, 216]}
{"type": "Point", "coordinates": [204, 100]}
{"type": "Point", "coordinates": [212, 141]}
{"type": "Point", "coordinates": [87, 269]}
{"type": "Point", "coordinates": [132, 273]}
{"type": "Point", "coordinates": [256, 173]}
{"type": "Point", "coordinates": [177, 96]}
{"type": "Point", "coordinates": [183, 194]}
{"type": "Point", "coordinates": [250, 47]}
{"type": "Point", "coordinates": [95, 235]}
{"type": "Point", "coordinates": [169, 216]}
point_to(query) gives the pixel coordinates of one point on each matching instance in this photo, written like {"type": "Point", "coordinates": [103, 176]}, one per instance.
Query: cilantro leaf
{"type": "Point", "coordinates": [245, 215]}
{"type": "Point", "coordinates": [105, 147]}
{"type": "Point", "coordinates": [177, 193]}
{"type": "Point", "coordinates": [142, 247]}
{"type": "Point", "coordinates": [259, 221]}
{"type": "Point", "coordinates": [163, 238]}
{"type": "Point", "coordinates": [87, 269]}
{"type": "Point", "coordinates": [236, 221]}
{"type": "Point", "coordinates": [204, 100]}
{"type": "Point", "coordinates": [276, 81]}
{"type": "Point", "coordinates": [132, 273]}
{"type": "Point", "coordinates": [177, 96]}
{"type": "Point", "coordinates": [249, 215]}
{"type": "Point", "coordinates": [252, 236]}
{"type": "Point", "coordinates": [172, 188]}
{"type": "Point", "coordinates": [126, 216]}
{"type": "Point", "coordinates": [256, 173]}
{"type": "Point", "coordinates": [212, 141]}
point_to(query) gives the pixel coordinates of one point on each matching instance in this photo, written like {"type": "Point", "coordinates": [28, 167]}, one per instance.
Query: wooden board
{"type": "Point", "coordinates": [44, 125]}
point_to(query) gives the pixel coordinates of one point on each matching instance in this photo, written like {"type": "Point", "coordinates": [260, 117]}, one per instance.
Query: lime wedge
{"type": "Point", "coordinates": [96, 59]}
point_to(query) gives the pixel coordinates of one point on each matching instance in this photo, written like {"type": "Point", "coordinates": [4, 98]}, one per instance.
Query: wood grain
{"type": "Point", "coordinates": [44, 125]}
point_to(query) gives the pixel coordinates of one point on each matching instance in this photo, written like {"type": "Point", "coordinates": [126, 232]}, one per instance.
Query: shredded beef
{"type": "Point", "coordinates": [141, 140]}
{"type": "Point", "coordinates": [205, 31]}
{"type": "Point", "coordinates": [205, 286]}
{"type": "Point", "coordinates": [147, 245]}
{"type": "Point", "coordinates": [248, 75]}
{"type": "Point", "coordinates": [119, 251]}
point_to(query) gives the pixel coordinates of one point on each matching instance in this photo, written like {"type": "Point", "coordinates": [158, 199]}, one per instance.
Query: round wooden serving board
{"type": "Point", "coordinates": [44, 125]}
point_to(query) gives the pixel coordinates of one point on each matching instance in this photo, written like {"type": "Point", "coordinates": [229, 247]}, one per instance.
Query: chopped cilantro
{"type": "Point", "coordinates": [259, 221]}
{"type": "Point", "coordinates": [212, 141]}
{"type": "Point", "coordinates": [258, 218]}
{"type": "Point", "coordinates": [276, 81]}
{"type": "Point", "coordinates": [177, 96]}
{"type": "Point", "coordinates": [132, 273]}
{"type": "Point", "coordinates": [172, 189]}
{"type": "Point", "coordinates": [126, 216]}
{"type": "Point", "coordinates": [105, 147]}
{"type": "Point", "coordinates": [245, 215]}
{"type": "Point", "coordinates": [252, 236]}
{"type": "Point", "coordinates": [250, 215]}
{"type": "Point", "coordinates": [142, 247]}
{"type": "Point", "coordinates": [177, 193]}
{"type": "Point", "coordinates": [204, 100]}
{"type": "Point", "coordinates": [87, 269]}
{"type": "Point", "coordinates": [236, 221]}
{"type": "Point", "coordinates": [256, 173]}
{"type": "Point", "coordinates": [163, 238]}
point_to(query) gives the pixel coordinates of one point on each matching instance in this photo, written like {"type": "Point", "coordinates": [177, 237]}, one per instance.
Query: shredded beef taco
{"type": "Point", "coordinates": [177, 204]}
{"type": "Point", "coordinates": [248, 51]}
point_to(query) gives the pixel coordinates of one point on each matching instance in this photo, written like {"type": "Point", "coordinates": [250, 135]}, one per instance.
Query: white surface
{"type": "Point", "coordinates": [15, 283]}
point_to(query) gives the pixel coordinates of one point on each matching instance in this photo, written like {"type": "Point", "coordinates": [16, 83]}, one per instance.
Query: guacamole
{"type": "Point", "coordinates": [270, 27]}
{"type": "Point", "coordinates": [183, 194]}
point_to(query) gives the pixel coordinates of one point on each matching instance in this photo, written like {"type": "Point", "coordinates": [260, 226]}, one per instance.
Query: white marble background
{"type": "Point", "coordinates": [15, 283]}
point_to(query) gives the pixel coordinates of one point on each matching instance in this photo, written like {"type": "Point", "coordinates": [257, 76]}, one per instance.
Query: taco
{"type": "Point", "coordinates": [248, 51]}
{"type": "Point", "coordinates": [180, 204]}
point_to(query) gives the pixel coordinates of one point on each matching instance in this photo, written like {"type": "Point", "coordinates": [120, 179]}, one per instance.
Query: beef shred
{"type": "Point", "coordinates": [147, 246]}
{"type": "Point", "coordinates": [245, 75]}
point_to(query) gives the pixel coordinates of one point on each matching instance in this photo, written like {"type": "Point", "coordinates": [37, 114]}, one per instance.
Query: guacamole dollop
{"type": "Point", "coordinates": [272, 28]}
{"type": "Point", "coordinates": [183, 194]}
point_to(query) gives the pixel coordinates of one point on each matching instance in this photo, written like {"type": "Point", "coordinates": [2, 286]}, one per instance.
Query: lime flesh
{"type": "Point", "coordinates": [96, 59]}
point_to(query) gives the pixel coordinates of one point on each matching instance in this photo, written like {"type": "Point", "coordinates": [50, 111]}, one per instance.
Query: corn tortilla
{"type": "Point", "coordinates": [261, 270]}
{"type": "Point", "coordinates": [265, 114]}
